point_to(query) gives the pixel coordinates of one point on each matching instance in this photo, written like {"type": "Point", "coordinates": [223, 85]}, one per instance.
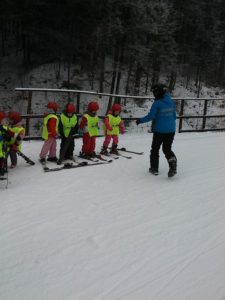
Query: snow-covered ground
{"type": "Point", "coordinates": [115, 231]}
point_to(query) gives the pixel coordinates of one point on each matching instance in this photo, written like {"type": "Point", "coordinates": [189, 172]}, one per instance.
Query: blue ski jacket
{"type": "Point", "coordinates": [162, 114]}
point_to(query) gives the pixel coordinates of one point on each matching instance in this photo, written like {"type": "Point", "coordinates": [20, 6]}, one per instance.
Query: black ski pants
{"type": "Point", "coordinates": [164, 139]}
{"type": "Point", "coordinates": [13, 157]}
{"type": "Point", "coordinates": [70, 149]}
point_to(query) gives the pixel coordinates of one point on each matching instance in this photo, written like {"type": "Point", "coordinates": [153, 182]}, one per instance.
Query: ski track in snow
{"type": "Point", "coordinates": [114, 231]}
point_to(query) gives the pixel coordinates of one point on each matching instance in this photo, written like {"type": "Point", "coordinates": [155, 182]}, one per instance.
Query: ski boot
{"type": "Point", "coordinates": [2, 172]}
{"type": "Point", "coordinates": [53, 159]}
{"type": "Point", "coordinates": [84, 155]}
{"type": "Point", "coordinates": [42, 160]}
{"type": "Point", "coordinates": [93, 154]}
{"type": "Point", "coordinates": [104, 151]}
{"type": "Point", "coordinates": [114, 150]}
{"type": "Point", "coordinates": [172, 166]}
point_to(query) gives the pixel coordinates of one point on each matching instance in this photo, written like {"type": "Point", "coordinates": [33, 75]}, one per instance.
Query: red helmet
{"type": "Point", "coordinates": [15, 117]}
{"type": "Point", "coordinates": [93, 106]}
{"type": "Point", "coordinates": [70, 108]}
{"type": "Point", "coordinates": [116, 107]}
{"type": "Point", "coordinates": [2, 115]}
{"type": "Point", "coordinates": [53, 105]}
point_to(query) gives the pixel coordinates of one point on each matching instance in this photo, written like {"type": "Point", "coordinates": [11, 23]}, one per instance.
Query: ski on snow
{"type": "Point", "coordinates": [27, 159]}
{"type": "Point", "coordinates": [129, 151]}
{"type": "Point", "coordinates": [121, 155]}
{"type": "Point", "coordinates": [95, 159]}
{"type": "Point", "coordinates": [71, 166]}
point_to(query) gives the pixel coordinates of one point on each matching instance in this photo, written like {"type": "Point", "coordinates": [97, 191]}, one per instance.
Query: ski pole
{"type": "Point", "coordinates": [27, 159]}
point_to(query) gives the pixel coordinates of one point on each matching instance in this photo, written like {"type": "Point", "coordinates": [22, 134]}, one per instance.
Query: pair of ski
{"type": "Point", "coordinates": [95, 159]}
{"type": "Point", "coordinates": [74, 165]}
{"type": "Point", "coordinates": [124, 156]}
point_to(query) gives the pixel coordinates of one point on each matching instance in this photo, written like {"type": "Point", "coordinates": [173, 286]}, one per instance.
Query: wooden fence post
{"type": "Point", "coordinates": [29, 105]}
{"type": "Point", "coordinates": [78, 103]}
{"type": "Point", "coordinates": [181, 114]}
{"type": "Point", "coordinates": [204, 114]}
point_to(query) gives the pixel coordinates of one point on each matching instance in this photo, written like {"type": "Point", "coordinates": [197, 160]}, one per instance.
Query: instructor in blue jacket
{"type": "Point", "coordinates": [163, 117]}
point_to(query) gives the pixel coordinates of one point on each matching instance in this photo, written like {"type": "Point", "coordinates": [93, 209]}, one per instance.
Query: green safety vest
{"type": "Point", "coordinates": [92, 125]}
{"type": "Point", "coordinates": [68, 123]}
{"type": "Point", "coordinates": [45, 129]}
{"type": "Point", "coordinates": [16, 130]}
{"type": "Point", "coordinates": [114, 122]}
{"type": "Point", "coordinates": [2, 153]}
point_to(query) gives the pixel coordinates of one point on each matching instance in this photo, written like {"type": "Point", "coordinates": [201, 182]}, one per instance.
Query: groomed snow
{"type": "Point", "coordinates": [115, 231]}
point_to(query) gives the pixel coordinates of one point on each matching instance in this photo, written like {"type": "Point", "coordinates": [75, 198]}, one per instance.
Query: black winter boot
{"type": "Point", "coordinates": [172, 166]}
{"type": "Point", "coordinates": [153, 171]}
{"type": "Point", "coordinates": [154, 164]}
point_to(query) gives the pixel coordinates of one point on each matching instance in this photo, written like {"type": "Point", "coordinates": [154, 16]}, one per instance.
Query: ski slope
{"type": "Point", "coordinates": [114, 231]}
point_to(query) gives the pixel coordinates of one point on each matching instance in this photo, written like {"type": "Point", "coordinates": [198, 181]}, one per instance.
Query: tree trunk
{"type": "Point", "coordinates": [127, 89]}
{"type": "Point", "coordinates": [102, 72]}
{"type": "Point", "coordinates": [147, 80]}
{"type": "Point", "coordinates": [115, 63]}
{"type": "Point", "coordinates": [3, 43]}
{"type": "Point", "coordinates": [156, 71]}
{"type": "Point", "coordinates": [137, 79]}
{"type": "Point", "coordinates": [68, 71]}
{"type": "Point", "coordinates": [199, 82]}
{"type": "Point", "coordinates": [172, 82]}
{"type": "Point", "coordinates": [221, 68]}
{"type": "Point", "coordinates": [122, 49]}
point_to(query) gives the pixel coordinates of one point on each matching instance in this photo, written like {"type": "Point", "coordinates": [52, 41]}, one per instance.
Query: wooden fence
{"type": "Point", "coordinates": [27, 93]}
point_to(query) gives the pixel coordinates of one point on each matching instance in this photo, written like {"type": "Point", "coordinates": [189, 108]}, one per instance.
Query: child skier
{"type": "Point", "coordinates": [18, 134]}
{"type": "Point", "coordinates": [113, 125]}
{"type": "Point", "coordinates": [68, 126]}
{"type": "Point", "coordinates": [49, 133]}
{"type": "Point", "coordinates": [89, 128]}
{"type": "Point", "coordinates": [3, 133]}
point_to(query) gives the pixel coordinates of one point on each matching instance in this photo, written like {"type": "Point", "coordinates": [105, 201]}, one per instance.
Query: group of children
{"type": "Point", "coordinates": [66, 125]}
{"type": "Point", "coordinates": [11, 136]}
{"type": "Point", "coordinates": [162, 113]}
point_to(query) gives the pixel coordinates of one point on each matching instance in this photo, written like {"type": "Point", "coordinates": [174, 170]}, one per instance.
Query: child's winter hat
{"type": "Point", "coordinates": [93, 106]}
{"type": "Point", "coordinates": [70, 108]}
{"type": "Point", "coordinates": [52, 105]}
{"type": "Point", "coordinates": [15, 117]}
{"type": "Point", "coordinates": [116, 107]}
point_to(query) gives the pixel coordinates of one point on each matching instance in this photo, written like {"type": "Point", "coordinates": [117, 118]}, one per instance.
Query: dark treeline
{"type": "Point", "coordinates": [143, 38]}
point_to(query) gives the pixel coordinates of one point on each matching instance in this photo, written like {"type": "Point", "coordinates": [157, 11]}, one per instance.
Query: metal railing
{"type": "Point", "coordinates": [27, 93]}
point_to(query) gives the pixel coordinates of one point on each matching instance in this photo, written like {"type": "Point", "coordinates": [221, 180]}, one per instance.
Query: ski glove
{"type": "Point", "coordinates": [138, 121]}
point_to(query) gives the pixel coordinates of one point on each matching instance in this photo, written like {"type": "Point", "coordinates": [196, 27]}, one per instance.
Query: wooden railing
{"type": "Point", "coordinates": [27, 93]}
